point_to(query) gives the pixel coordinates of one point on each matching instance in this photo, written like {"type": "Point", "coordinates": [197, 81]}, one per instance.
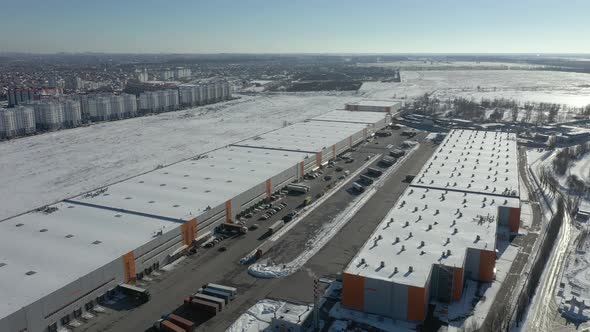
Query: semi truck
{"type": "Point", "coordinates": [358, 187]}
{"type": "Point", "coordinates": [374, 172]}
{"type": "Point", "coordinates": [167, 326]}
{"type": "Point", "coordinates": [276, 226]}
{"type": "Point", "coordinates": [184, 323]}
{"type": "Point", "coordinates": [387, 161]}
{"type": "Point", "coordinates": [298, 188]}
{"type": "Point", "coordinates": [396, 153]}
{"type": "Point", "coordinates": [366, 180]}
{"type": "Point", "coordinates": [235, 228]}
{"type": "Point", "coordinates": [140, 294]}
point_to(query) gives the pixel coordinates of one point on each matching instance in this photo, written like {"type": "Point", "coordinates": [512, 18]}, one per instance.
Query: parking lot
{"type": "Point", "coordinates": [221, 263]}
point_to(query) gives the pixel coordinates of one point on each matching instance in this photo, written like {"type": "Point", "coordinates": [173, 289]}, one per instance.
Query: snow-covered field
{"type": "Point", "coordinates": [523, 85]}
{"type": "Point", "coordinates": [40, 170]}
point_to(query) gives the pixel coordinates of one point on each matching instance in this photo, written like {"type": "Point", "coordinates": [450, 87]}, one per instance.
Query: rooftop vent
{"type": "Point", "coordinates": [69, 236]}
{"type": "Point", "coordinates": [403, 248]}
{"type": "Point", "coordinates": [43, 230]}
{"type": "Point", "coordinates": [97, 242]}
{"type": "Point", "coordinates": [363, 261]}
{"type": "Point", "coordinates": [422, 244]}
{"type": "Point", "coordinates": [30, 273]}
{"type": "Point", "coordinates": [382, 265]}
{"type": "Point", "coordinates": [455, 231]}
{"type": "Point", "coordinates": [448, 240]}
{"type": "Point", "coordinates": [396, 240]}
{"type": "Point", "coordinates": [429, 227]}
{"type": "Point", "coordinates": [410, 269]}
{"type": "Point", "coordinates": [449, 252]}
{"type": "Point", "coordinates": [19, 225]}
{"type": "Point", "coordinates": [477, 238]}
{"type": "Point", "coordinates": [410, 235]}
{"type": "Point", "coordinates": [407, 224]}
{"type": "Point", "coordinates": [395, 270]}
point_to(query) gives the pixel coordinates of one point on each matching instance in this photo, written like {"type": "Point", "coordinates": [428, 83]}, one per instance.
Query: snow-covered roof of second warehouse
{"type": "Point", "coordinates": [310, 136]}
{"type": "Point", "coordinates": [376, 103]}
{"type": "Point", "coordinates": [187, 189]}
{"type": "Point", "coordinates": [474, 161]}
{"type": "Point", "coordinates": [369, 118]}
{"type": "Point", "coordinates": [423, 220]}
{"type": "Point", "coordinates": [43, 251]}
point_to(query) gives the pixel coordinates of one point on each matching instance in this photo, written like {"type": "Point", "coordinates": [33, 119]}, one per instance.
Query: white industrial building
{"type": "Point", "coordinates": [322, 138]}
{"type": "Point", "coordinates": [116, 234]}
{"type": "Point", "coordinates": [388, 106]}
{"type": "Point", "coordinates": [441, 231]}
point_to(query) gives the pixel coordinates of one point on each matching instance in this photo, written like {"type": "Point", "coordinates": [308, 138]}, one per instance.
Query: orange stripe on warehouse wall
{"type": "Point", "coordinates": [416, 303]}
{"type": "Point", "coordinates": [228, 211]}
{"type": "Point", "coordinates": [268, 187]}
{"type": "Point", "coordinates": [487, 261]}
{"type": "Point", "coordinates": [318, 159]}
{"type": "Point", "coordinates": [189, 231]}
{"type": "Point", "coordinates": [334, 151]}
{"type": "Point", "coordinates": [129, 267]}
{"type": "Point", "coordinates": [353, 291]}
{"type": "Point", "coordinates": [514, 220]}
{"type": "Point", "coordinates": [302, 169]}
{"type": "Point", "coordinates": [457, 283]}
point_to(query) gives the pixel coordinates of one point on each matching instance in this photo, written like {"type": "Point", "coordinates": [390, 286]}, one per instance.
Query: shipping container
{"type": "Point", "coordinates": [217, 293]}
{"type": "Point", "coordinates": [232, 290]}
{"type": "Point", "coordinates": [167, 326]}
{"type": "Point", "coordinates": [202, 305]}
{"type": "Point", "coordinates": [184, 323]}
{"type": "Point", "coordinates": [212, 299]}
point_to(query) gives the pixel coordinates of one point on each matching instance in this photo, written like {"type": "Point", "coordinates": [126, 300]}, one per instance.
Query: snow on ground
{"type": "Point", "coordinates": [523, 85]}
{"type": "Point", "coordinates": [580, 168]}
{"type": "Point", "coordinates": [383, 323]}
{"type": "Point", "coordinates": [457, 311]}
{"type": "Point", "coordinates": [257, 318]}
{"type": "Point", "coordinates": [268, 269]}
{"type": "Point", "coordinates": [450, 65]}
{"type": "Point", "coordinates": [574, 291]}
{"type": "Point", "coordinates": [43, 169]}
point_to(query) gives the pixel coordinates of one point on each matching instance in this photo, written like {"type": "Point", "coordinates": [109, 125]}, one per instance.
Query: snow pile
{"type": "Point", "coordinates": [257, 318]}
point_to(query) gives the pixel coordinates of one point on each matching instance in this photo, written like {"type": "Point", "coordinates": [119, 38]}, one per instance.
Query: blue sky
{"type": "Point", "coordinates": [304, 26]}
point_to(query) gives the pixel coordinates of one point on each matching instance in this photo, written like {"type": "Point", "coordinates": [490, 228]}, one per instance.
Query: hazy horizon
{"type": "Point", "coordinates": [298, 27]}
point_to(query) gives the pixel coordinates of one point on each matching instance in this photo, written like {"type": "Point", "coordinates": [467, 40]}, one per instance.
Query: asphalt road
{"type": "Point", "coordinates": [509, 288]}
{"type": "Point", "coordinates": [169, 289]}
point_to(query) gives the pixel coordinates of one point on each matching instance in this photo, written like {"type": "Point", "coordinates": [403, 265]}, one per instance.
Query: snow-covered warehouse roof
{"type": "Point", "coordinates": [415, 232]}
{"type": "Point", "coordinates": [187, 189]}
{"type": "Point", "coordinates": [474, 161]}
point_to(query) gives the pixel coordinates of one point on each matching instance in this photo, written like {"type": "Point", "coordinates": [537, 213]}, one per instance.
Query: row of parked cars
{"type": "Point", "coordinates": [272, 210]}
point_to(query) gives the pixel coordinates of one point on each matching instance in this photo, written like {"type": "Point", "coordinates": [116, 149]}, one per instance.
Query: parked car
{"type": "Point", "coordinates": [253, 227]}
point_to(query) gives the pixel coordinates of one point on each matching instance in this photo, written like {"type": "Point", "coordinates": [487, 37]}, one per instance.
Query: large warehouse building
{"type": "Point", "coordinates": [442, 230]}
{"type": "Point", "coordinates": [87, 245]}
{"type": "Point", "coordinates": [387, 106]}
